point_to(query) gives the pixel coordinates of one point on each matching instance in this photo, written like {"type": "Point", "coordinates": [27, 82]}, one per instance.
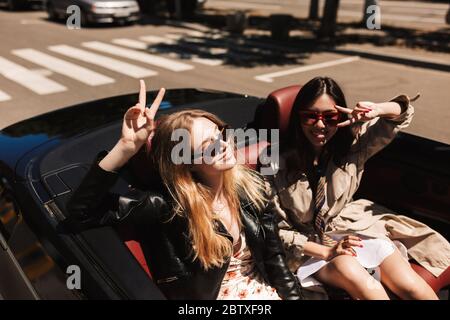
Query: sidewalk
{"type": "Point", "coordinates": [425, 51]}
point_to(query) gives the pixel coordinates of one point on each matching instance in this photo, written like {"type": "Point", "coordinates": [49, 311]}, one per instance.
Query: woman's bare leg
{"type": "Point", "coordinates": [401, 279]}
{"type": "Point", "coordinates": [346, 272]}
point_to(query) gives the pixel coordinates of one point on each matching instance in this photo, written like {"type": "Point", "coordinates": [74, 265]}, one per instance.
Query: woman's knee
{"type": "Point", "coordinates": [410, 287]}
{"type": "Point", "coordinates": [348, 268]}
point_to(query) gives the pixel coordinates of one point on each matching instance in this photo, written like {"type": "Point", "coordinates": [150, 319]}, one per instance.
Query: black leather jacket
{"type": "Point", "coordinates": [166, 244]}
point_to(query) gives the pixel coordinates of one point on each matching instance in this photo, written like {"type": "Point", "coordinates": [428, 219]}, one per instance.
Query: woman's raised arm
{"type": "Point", "coordinates": [138, 126]}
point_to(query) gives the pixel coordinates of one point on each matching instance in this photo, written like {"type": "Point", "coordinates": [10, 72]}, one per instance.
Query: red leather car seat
{"type": "Point", "coordinates": [275, 111]}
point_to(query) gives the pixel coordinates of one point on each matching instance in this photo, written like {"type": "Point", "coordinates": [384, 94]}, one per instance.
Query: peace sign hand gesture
{"type": "Point", "coordinates": [364, 111]}
{"type": "Point", "coordinates": [138, 123]}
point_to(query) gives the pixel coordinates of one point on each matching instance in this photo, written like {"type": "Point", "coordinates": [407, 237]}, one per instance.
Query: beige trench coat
{"type": "Point", "coordinates": [293, 200]}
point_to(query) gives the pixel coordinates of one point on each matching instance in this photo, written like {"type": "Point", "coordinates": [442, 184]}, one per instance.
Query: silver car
{"type": "Point", "coordinates": [96, 11]}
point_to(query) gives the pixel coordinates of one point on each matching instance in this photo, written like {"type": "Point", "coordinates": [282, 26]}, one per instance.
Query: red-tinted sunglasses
{"type": "Point", "coordinates": [310, 118]}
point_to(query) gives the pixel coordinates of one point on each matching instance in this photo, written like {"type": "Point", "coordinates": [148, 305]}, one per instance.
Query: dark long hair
{"type": "Point", "coordinates": [340, 143]}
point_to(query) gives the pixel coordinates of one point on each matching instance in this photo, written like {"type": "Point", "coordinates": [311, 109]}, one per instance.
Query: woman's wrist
{"type": "Point", "coordinates": [327, 252]}
{"type": "Point", "coordinates": [318, 250]}
{"type": "Point", "coordinates": [117, 157]}
{"type": "Point", "coordinates": [389, 109]}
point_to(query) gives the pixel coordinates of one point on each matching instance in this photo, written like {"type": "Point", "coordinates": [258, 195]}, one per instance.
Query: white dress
{"type": "Point", "coordinates": [370, 256]}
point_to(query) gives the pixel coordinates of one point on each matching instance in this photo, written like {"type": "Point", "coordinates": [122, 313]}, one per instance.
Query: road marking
{"type": "Point", "coordinates": [192, 43]}
{"type": "Point", "coordinates": [63, 67]}
{"type": "Point", "coordinates": [130, 43]}
{"type": "Point", "coordinates": [144, 46]}
{"type": "Point", "coordinates": [105, 62]}
{"type": "Point", "coordinates": [31, 21]}
{"type": "Point", "coordinates": [194, 57]}
{"type": "Point", "coordinates": [138, 56]}
{"type": "Point", "coordinates": [33, 81]}
{"type": "Point", "coordinates": [157, 40]}
{"type": "Point", "coordinates": [4, 96]}
{"type": "Point", "coordinates": [207, 61]}
{"type": "Point", "coordinates": [269, 76]}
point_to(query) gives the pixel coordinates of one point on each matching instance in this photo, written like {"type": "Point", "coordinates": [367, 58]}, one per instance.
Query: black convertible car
{"type": "Point", "coordinates": [43, 159]}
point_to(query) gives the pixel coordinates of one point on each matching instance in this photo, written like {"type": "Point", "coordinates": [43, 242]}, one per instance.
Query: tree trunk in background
{"type": "Point", "coordinates": [314, 10]}
{"type": "Point", "coordinates": [329, 19]}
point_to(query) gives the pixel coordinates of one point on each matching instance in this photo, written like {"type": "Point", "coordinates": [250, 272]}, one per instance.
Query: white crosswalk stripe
{"type": "Point", "coordinates": [105, 62]}
{"type": "Point", "coordinates": [268, 77]}
{"type": "Point", "coordinates": [29, 79]}
{"type": "Point", "coordinates": [63, 67]}
{"type": "Point", "coordinates": [4, 96]}
{"type": "Point", "coordinates": [130, 43]}
{"type": "Point", "coordinates": [157, 40]}
{"type": "Point", "coordinates": [138, 56]}
{"type": "Point", "coordinates": [160, 40]}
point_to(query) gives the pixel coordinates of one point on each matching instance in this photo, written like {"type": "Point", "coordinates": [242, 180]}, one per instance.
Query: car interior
{"type": "Point", "coordinates": [399, 177]}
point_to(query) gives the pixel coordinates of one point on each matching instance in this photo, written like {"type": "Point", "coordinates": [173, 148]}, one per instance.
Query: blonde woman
{"type": "Point", "coordinates": [209, 233]}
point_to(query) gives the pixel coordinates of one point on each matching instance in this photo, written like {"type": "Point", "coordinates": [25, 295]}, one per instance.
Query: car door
{"type": "Point", "coordinates": [13, 282]}
{"type": "Point", "coordinates": [27, 271]}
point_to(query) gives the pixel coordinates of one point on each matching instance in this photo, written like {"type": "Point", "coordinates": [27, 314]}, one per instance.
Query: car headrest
{"type": "Point", "coordinates": [252, 153]}
{"type": "Point", "coordinates": [275, 111]}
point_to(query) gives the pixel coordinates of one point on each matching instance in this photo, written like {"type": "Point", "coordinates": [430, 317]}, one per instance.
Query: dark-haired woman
{"type": "Point", "coordinates": [331, 238]}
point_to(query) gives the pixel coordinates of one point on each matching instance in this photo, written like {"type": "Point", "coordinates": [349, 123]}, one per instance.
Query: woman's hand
{"type": "Point", "coordinates": [138, 123]}
{"type": "Point", "coordinates": [364, 111]}
{"type": "Point", "coordinates": [137, 128]}
{"type": "Point", "coordinates": [344, 247]}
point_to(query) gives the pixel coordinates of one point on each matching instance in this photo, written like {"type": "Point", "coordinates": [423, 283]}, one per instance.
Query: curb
{"type": "Point", "coordinates": [394, 58]}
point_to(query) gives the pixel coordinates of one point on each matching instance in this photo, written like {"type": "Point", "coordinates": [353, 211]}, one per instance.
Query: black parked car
{"type": "Point", "coordinates": [43, 159]}
{"type": "Point", "coordinates": [20, 4]}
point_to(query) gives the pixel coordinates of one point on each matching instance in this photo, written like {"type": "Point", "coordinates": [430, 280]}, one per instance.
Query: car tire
{"type": "Point", "coordinates": [84, 21]}
{"type": "Point", "coordinates": [14, 5]}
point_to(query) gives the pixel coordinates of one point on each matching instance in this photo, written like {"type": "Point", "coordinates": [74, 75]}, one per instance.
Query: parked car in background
{"type": "Point", "coordinates": [19, 4]}
{"type": "Point", "coordinates": [186, 8]}
{"type": "Point", "coordinates": [96, 11]}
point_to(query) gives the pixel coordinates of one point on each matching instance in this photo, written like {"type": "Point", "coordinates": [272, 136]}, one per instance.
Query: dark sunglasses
{"type": "Point", "coordinates": [310, 118]}
{"type": "Point", "coordinates": [214, 145]}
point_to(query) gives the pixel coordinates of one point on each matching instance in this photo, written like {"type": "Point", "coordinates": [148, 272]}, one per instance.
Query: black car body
{"type": "Point", "coordinates": [43, 159]}
{"type": "Point", "coordinates": [19, 4]}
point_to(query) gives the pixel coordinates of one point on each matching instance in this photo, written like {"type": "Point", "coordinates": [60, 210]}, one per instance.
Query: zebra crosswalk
{"type": "Point", "coordinates": [63, 67]}
{"type": "Point", "coordinates": [148, 58]}
{"type": "Point", "coordinates": [29, 79]}
{"type": "Point", "coordinates": [137, 58]}
{"type": "Point", "coordinates": [118, 66]}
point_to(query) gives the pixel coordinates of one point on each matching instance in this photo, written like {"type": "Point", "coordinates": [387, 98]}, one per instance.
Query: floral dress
{"type": "Point", "coordinates": [242, 281]}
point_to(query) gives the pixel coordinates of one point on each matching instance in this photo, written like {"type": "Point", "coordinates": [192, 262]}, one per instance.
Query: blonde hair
{"type": "Point", "coordinates": [193, 200]}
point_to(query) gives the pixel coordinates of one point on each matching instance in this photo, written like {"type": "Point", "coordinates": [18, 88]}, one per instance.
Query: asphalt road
{"type": "Point", "coordinates": [45, 66]}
